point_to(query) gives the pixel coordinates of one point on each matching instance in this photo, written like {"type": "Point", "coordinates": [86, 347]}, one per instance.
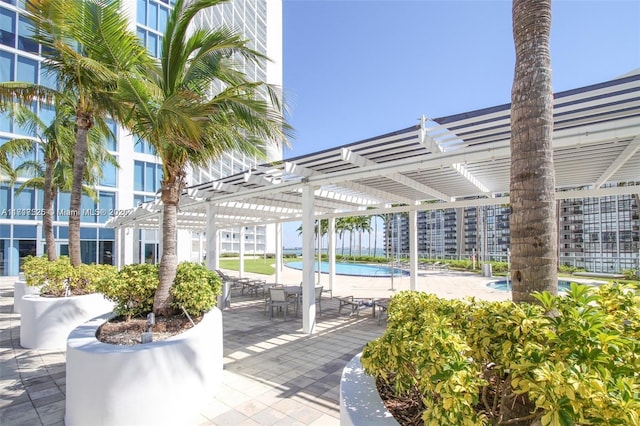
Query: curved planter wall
{"type": "Point", "coordinates": [164, 382]}
{"type": "Point", "coordinates": [360, 402]}
{"type": "Point", "coordinates": [20, 288]}
{"type": "Point", "coordinates": [45, 322]}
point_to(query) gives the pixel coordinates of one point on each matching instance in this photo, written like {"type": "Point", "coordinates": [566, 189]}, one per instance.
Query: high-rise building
{"type": "Point", "coordinates": [599, 234]}
{"type": "Point", "coordinates": [137, 180]}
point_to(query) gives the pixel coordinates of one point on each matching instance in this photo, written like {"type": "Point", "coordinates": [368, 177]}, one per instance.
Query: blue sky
{"type": "Point", "coordinates": [357, 69]}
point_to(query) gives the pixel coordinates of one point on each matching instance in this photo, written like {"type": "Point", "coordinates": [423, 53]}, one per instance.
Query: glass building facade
{"type": "Point", "coordinates": [137, 180]}
{"type": "Point", "coordinates": [598, 234]}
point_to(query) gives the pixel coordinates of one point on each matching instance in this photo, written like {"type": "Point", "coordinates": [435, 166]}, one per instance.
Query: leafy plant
{"type": "Point", "coordinates": [86, 276]}
{"type": "Point", "coordinates": [131, 289]}
{"type": "Point", "coordinates": [35, 270]}
{"type": "Point", "coordinates": [631, 274]}
{"type": "Point", "coordinates": [58, 278]}
{"type": "Point", "coordinates": [54, 277]}
{"type": "Point", "coordinates": [571, 359]}
{"type": "Point", "coordinates": [195, 288]}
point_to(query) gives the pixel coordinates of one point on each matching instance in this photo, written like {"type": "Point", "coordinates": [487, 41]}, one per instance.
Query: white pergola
{"type": "Point", "coordinates": [448, 162]}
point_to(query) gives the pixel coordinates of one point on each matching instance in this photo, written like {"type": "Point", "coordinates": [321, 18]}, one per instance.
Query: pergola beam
{"type": "Point", "coordinates": [624, 156]}
{"type": "Point", "coordinates": [360, 161]}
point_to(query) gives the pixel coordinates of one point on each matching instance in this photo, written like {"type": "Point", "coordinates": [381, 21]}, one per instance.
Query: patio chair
{"type": "Point", "coordinates": [319, 299]}
{"type": "Point", "coordinates": [267, 294]}
{"type": "Point", "coordinates": [278, 299]}
{"type": "Point", "coordinates": [235, 282]}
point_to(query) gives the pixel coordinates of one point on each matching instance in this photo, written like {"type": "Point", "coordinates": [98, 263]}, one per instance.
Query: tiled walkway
{"type": "Point", "coordinates": [274, 374]}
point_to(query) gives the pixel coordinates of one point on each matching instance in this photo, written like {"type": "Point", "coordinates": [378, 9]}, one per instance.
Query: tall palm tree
{"type": "Point", "coordinates": [341, 228]}
{"type": "Point", "coordinates": [362, 225]}
{"type": "Point", "coordinates": [173, 109]}
{"type": "Point", "coordinates": [532, 186]}
{"type": "Point", "coordinates": [87, 46]}
{"type": "Point", "coordinates": [52, 174]}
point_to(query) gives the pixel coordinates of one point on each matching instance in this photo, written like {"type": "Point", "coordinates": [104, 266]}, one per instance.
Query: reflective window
{"type": "Point", "coordinates": [6, 74]}
{"type": "Point", "coordinates": [150, 177]}
{"type": "Point", "coordinates": [87, 209]}
{"type": "Point", "coordinates": [111, 143]}
{"type": "Point", "coordinates": [47, 114]}
{"type": "Point", "coordinates": [138, 176]}
{"type": "Point", "coordinates": [152, 44]}
{"type": "Point", "coordinates": [152, 17]}
{"type": "Point", "coordinates": [23, 204]}
{"type": "Point", "coordinates": [24, 130]}
{"type": "Point", "coordinates": [47, 78]}
{"type": "Point", "coordinates": [106, 205]}
{"type": "Point", "coordinates": [4, 202]}
{"type": "Point", "coordinates": [163, 14]}
{"type": "Point", "coordinates": [141, 12]}
{"type": "Point", "coordinates": [62, 206]}
{"type": "Point", "coordinates": [7, 28]}
{"type": "Point", "coordinates": [109, 173]}
{"type": "Point", "coordinates": [27, 70]}
{"type": "Point", "coordinates": [25, 36]}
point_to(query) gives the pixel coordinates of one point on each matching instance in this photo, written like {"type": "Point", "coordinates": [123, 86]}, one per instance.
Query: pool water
{"type": "Point", "coordinates": [353, 269]}
{"type": "Point", "coordinates": [504, 286]}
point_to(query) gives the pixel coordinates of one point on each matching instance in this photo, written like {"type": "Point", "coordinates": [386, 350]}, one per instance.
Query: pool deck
{"type": "Point", "coordinates": [273, 373]}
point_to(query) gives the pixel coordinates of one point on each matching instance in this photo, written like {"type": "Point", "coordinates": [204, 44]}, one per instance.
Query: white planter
{"type": "Point", "coordinates": [45, 322]}
{"type": "Point", "coordinates": [165, 382]}
{"type": "Point", "coordinates": [360, 402]}
{"type": "Point", "coordinates": [20, 288]}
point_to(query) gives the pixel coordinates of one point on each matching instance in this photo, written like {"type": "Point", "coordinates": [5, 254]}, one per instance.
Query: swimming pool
{"type": "Point", "coordinates": [503, 286]}
{"type": "Point", "coordinates": [353, 269]}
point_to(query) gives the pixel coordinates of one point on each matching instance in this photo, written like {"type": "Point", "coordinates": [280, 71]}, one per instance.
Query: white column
{"type": "Point", "coordinates": [413, 249]}
{"type": "Point", "coordinates": [136, 243]}
{"type": "Point", "coordinates": [213, 259]}
{"type": "Point", "coordinates": [200, 246]}
{"type": "Point", "coordinates": [319, 237]}
{"type": "Point", "coordinates": [241, 238]}
{"type": "Point", "coordinates": [39, 242]}
{"type": "Point", "coordinates": [308, 291]}
{"type": "Point", "coordinates": [278, 229]}
{"type": "Point", "coordinates": [117, 250]}
{"type": "Point", "coordinates": [332, 253]}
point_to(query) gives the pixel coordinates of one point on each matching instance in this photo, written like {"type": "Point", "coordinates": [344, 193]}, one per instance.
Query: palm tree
{"type": "Point", "coordinates": [532, 187]}
{"type": "Point", "coordinates": [53, 173]}
{"type": "Point", "coordinates": [341, 227]}
{"type": "Point", "coordinates": [174, 111]}
{"type": "Point", "coordinates": [87, 46]}
{"type": "Point", "coordinates": [362, 225]}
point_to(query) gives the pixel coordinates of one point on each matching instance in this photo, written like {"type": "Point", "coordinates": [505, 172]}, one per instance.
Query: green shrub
{"type": "Point", "coordinates": [131, 289]}
{"type": "Point", "coordinates": [35, 270]}
{"type": "Point", "coordinates": [54, 277]}
{"type": "Point", "coordinates": [195, 288]}
{"type": "Point", "coordinates": [631, 274]}
{"type": "Point", "coordinates": [60, 279]}
{"type": "Point", "coordinates": [86, 276]}
{"type": "Point", "coordinates": [578, 365]}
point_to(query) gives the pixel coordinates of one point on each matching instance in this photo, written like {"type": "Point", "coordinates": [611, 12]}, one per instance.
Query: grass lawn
{"type": "Point", "coordinates": [256, 266]}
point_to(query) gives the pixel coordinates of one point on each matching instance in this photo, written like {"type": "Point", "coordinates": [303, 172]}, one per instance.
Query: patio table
{"type": "Point", "coordinates": [355, 305]}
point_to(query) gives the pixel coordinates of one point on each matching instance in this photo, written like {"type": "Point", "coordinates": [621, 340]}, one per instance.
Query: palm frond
{"type": "Point", "coordinates": [34, 182]}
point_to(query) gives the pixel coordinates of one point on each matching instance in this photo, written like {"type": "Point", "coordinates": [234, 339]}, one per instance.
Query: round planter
{"type": "Point", "coordinates": [163, 382]}
{"type": "Point", "coordinates": [20, 288]}
{"type": "Point", "coordinates": [45, 322]}
{"type": "Point", "coordinates": [360, 402]}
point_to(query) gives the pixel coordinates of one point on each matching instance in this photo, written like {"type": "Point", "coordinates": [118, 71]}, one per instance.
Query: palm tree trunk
{"type": "Point", "coordinates": [84, 123]}
{"type": "Point", "coordinates": [171, 190]}
{"type": "Point", "coordinates": [534, 257]}
{"type": "Point", "coordinates": [375, 237]}
{"type": "Point", "coordinates": [47, 206]}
